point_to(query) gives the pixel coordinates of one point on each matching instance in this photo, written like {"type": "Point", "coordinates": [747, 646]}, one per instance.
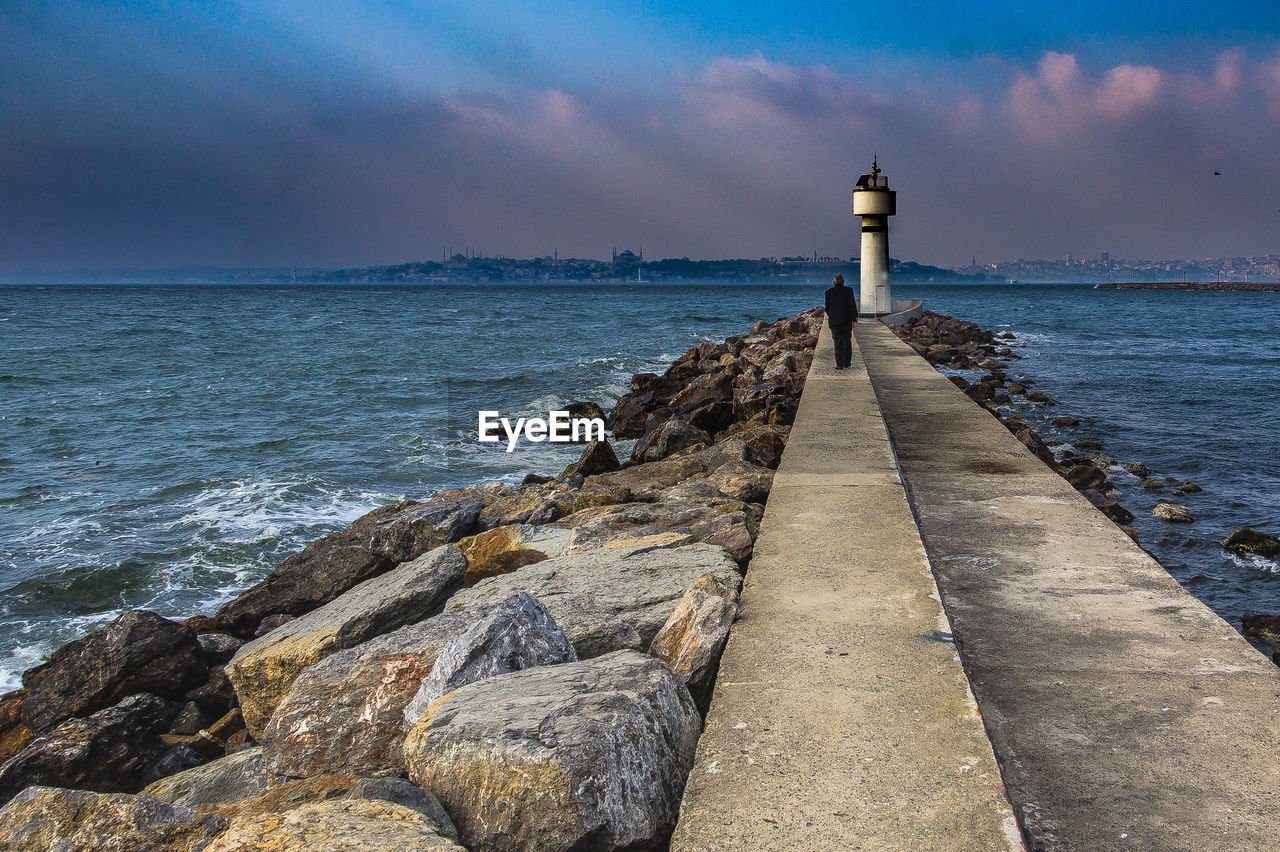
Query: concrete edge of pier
{"type": "Point", "coordinates": [842, 718]}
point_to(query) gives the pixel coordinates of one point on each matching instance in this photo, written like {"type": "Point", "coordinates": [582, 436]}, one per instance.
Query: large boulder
{"type": "Point", "coordinates": [597, 457]}
{"type": "Point", "coordinates": [671, 437]}
{"type": "Point", "coordinates": [1246, 541]}
{"type": "Point", "coordinates": [242, 775]}
{"type": "Point", "coordinates": [263, 670]}
{"type": "Point", "coordinates": [735, 480]}
{"type": "Point", "coordinates": [111, 751]}
{"type": "Point", "coordinates": [1173, 513]}
{"type": "Point", "coordinates": [46, 819]}
{"type": "Point", "coordinates": [346, 714]}
{"type": "Point", "coordinates": [591, 754]}
{"type": "Point", "coordinates": [312, 577]}
{"type": "Point", "coordinates": [502, 550]}
{"type": "Point", "coordinates": [15, 733]}
{"type": "Point", "coordinates": [519, 634]}
{"type": "Point", "coordinates": [352, 825]}
{"type": "Point", "coordinates": [413, 531]}
{"type": "Point", "coordinates": [137, 652]}
{"type": "Point", "coordinates": [401, 792]}
{"type": "Point", "coordinates": [729, 524]}
{"type": "Point", "coordinates": [712, 387]}
{"type": "Point", "coordinates": [693, 637]}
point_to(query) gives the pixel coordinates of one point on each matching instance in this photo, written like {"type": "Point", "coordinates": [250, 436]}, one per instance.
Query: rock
{"type": "Point", "coordinates": [263, 669]}
{"type": "Point", "coordinates": [189, 719]}
{"type": "Point", "coordinates": [1131, 532]}
{"type": "Point", "coordinates": [1264, 625]}
{"type": "Point", "coordinates": [1245, 541]}
{"type": "Point", "coordinates": [1190, 488]}
{"type": "Point", "coordinates": [585, 410]}
{"type": "Point", "coordinates": [137, 652]}
{"type": "Point", "coordinates": [270, 623]}
{"type": "Point", "coordinates": [693, 637]}
{"type": "Point", "coordinates": [1138, 469]}
{"type": "Point", "coordinates": [178, 759]}
{"type": "Point", "coordinates": [735, 480]}
{"type": "Point", "coordinates": [1043, 399]}
{"type": "Point", "coordinates": [46, 819]}
{"type": "Point", "coordinates": [406, 795]}
{"type": "Point", "coordinates": [591, 754]}
{"type": "Point", "coordinates": [216, 695]}
{"type": "Point", "coordinates": [713, 387]}
{"type": "Point", "coordinates": [730, 524]}
{"type": "Point", "coordinates": [670, 438]}
{"type": "Point", "coordinates": [1173, 513]}
{"type": "Point", "coordinates": [504, 549]}
{"type": "Point", "coordinates": [319, 573]}
{"type": "Point", "coordinates": [1085, 476]}
{"type": "Point", "coordinates": [1107, 506]}
{"type": "Point", "coordinates": [242, 775]}
{"type": "Point", "coordinates": [519, 634]}
{"type": "Point", "coordinates": [1032, 442]}
{"type": "Point", "coordinates": [411, 532]}
{"type": "Point", "coordinates": [712, 418]}
{"type": "Point", "coordinates": [218, 647]}
{"type": "Point", "coordinates": [980, 392]}
{"type": "Point", "coordinates": [14, 732]}
{"type": "Point", "coordinates": [346, 714]}
{"type": "Point", "coordinates": [111, 751]}
{"type": "Point", "coordinates": [958, 381]}
{"type": "Point", "coordinates": [1088, 445]}
{"type": "Point", "coordinates": [1151, 483]}
{"type": "Point", "coordinates": [535, 479]}
{"type": "Point", "coordinates": [597, 457]}
{"type": "Point", "coordinates": [1066, 422]}
{"type": "Point", "coordinates": [350, 825]}
{"type": "Point", "coordinates": [627, 418]}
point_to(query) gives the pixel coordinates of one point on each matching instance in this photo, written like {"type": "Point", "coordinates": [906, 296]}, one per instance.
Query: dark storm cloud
{"type": "Point", "coordinates": [193, 138]}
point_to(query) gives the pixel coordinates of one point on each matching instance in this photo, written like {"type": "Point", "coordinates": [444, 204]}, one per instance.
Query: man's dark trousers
{"type": "Point", "coordinates": [842, 335]}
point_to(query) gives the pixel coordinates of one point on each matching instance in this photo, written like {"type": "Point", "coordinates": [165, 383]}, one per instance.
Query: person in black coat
{"type": "Point", "coordinates": [842, 315]}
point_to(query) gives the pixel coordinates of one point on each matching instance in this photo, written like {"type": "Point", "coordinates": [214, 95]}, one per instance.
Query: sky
{"type": "Point", "coordinates": [314, 133]}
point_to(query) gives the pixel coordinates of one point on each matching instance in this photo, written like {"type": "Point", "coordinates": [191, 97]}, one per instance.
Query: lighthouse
{"type": "Point", "coordinates": [875, 203]}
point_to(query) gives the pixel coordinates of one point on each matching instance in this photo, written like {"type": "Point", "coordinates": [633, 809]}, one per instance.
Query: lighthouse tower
{"type": "Point", "coordinates": [875, 203]}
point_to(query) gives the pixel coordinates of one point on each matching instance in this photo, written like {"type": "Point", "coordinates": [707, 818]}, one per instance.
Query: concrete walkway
{"type": "Point", "coordinates": [842, 718]}
{"type": "Point", "coordinates": [1126, 715]}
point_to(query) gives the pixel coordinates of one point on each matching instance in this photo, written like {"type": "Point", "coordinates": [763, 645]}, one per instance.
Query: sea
{"type": "Point", "coordinates": [164, 446]}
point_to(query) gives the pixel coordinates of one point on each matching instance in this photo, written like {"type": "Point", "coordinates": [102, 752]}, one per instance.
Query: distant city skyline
{"type": "Point", "coordinates": [282, 133]}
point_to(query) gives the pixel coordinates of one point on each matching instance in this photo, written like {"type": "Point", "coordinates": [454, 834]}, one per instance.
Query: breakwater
{"type": "Point", "coordinates": [1272, 287]}
{"type": "Point", "coordinates": [420, 641]}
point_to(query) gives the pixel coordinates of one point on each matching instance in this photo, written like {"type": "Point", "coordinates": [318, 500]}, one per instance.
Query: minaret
{"type": "Point", "coordinates": [875, 203]}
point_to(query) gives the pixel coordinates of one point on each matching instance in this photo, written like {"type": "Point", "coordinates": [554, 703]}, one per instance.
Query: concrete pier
{"type": "Point", "coordinates": [842, 718]}
{"type": "Point", "coordinates": [1125, 715]}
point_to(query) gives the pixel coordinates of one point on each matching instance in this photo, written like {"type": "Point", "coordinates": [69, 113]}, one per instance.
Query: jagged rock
{"type": "Point", "coordinates": [1033, 442]}
{"type": "Point", "coordinates": [316, 575]}
{"type": "Point", "coordinates": [263, 669]}
{"type": "Point", "coordinates": [519, 634]}
{"type": "Point", "coordinates": [671, 437]}
{"type": "Point", "coordinates": [177, 759]}
{"type": "Point", "coordinates": [730, 524]}
{"type": "Point", "coordinates": [406, 795]}
{"type": "Point", "coordinates": [1262, 624]}
{"type": "Point", "coordinates": [504, 549]}
{"type": "Point", "coordinates": [218, 647]}
{"type": "Point", "coordinates": [346, 714]}
{"type": "Point", "coordinates": [1086, 476]}
{"type": "Point", "coordinates": [585, 409]}
{"type": "Point", "coordinates": [627, 418]}
{"type": "Point", "coordinates": [1173, 513]}
{"type": "Point", "coordinates": [137, 652]}
{"type": "Point", "coordinates": [47, 819]}
{"type": "Point", "coordinates": [597, 457]}
{"type": "Point", "coordinates": [111, 751]}
{"type": "Point", "coordinates": [216, 695]}
{"type": "Point", "coordinates": [735, 480]}
{"type": "Point", "coordinates": [242, 775]}
{"type": "Point", "coordinates": [693, 637]}
{"type": "Point", "coordinates": [542, 504]}
{"type": "Point", "coordinates": [591, 754]}
{"type": "Point", "coordinates": [352, 825]}
{"type": "Point", "coordinates": [713, 387]}
{"type": "Point", "coordinates": [754, 399]}
{"type": "Point", "coordinates": [1250, 541]}
{"type": "Point", "coordinates": [712, 418]}
{"type": "Point", "coordinates": [1107, 506]}
{"type": "Point", "coordinates": [189, 719]}
{"type": "Point", "coordinates": [413, 531]}
{"type": "Point", "coordinates": [14, 732]}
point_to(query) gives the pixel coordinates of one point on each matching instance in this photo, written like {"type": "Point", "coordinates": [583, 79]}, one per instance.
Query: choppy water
{"type": "Point", "coordinates": [165, 446]}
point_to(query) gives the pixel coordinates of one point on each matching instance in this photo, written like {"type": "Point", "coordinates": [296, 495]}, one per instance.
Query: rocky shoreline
{"type": "Point", "coordinates": [494, 668]}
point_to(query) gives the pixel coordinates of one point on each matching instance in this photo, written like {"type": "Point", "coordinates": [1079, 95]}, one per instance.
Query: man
{"type": "Point", "coordinates": [842, 315]}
